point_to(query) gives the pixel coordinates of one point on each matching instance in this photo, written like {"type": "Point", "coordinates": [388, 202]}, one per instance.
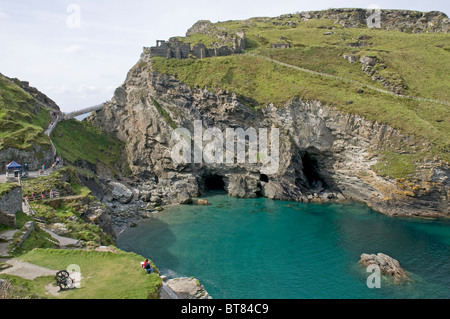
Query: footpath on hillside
{"type": "Point", "coordinates": [347, 80]}
{"type": "Point", "coordinates": [24, 270]}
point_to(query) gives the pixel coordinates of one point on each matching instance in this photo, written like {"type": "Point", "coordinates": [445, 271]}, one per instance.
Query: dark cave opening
{"type": "Point", "coordinates": [264, 178]}
{"type": "Point", "coordinates": [311, 171]}
{"type": "Point", "coordinates": [214, 183]}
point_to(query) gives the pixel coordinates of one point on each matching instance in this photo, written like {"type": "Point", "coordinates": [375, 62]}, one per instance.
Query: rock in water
{"type": "Point", "coordinates": [201, 202]}
{"type": "Point", "coordinates": [388, 266]}
{"type": "Point", "coordinates": [188, 288]}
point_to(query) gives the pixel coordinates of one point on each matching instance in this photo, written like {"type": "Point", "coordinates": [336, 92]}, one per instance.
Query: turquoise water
{"type": "Point", "coordinates": [260, 248]}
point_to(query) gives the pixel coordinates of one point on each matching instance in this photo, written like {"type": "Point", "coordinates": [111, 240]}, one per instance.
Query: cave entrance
{"type": "Point", "coordinates": [214, 183]}
{"type": "Point", "coordinates": [264, 178]}
{"type": "Point", "coordinates": [311, 171]}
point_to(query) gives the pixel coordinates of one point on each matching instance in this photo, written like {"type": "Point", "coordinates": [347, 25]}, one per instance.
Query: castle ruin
{"type": "Point", "coordinates": [228, 42]}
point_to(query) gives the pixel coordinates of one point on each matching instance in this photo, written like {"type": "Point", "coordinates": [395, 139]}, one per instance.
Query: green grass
{"type": "Point", "coordinates": [420, 61]}
{"type": "Point", "coordinates": [79, 141]}
{"type": "Point", "coordinates": [7, 187]}
{"type": "Point", "coordinates": [106, 275]}
{"type": "Point", "coordinates": [66, 209]}
{"type": "Point", "coordinates": [164, 114]}
{"type": "Point", "coordinates": [26, 289]}
{"type": "Point", "coordinates": [64, 180]}
{"type": "Point", "coordinates": [22, 120]}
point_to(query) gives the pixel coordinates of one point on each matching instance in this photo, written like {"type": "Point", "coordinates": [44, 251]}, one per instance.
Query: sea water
{"type": "Point", "coordinates": [261, 248]}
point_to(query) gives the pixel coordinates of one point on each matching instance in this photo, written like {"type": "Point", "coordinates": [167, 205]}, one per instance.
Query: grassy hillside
{"type": "Point", "coordinates": [22, 120]}
{"type": "Point", "coordinates": [81, 141]}
{"type": "Point", "coordinates": [105, 275]}
{"type": "Point", "coordinates": [420, 63]}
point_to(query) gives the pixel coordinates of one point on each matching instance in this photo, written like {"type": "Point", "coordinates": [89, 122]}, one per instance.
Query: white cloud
{"type": "Point", "coordinates": [53, 89]}
{"type": "Point", "coordinates": [73, 49]}
{"type": "Point", "coordinates": [3, 16]}
{"type": "Point", "coordinates": [83, 89]}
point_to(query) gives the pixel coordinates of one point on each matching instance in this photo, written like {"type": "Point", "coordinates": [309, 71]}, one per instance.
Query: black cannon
{"type": "Point", "coordinates": [63, 280]}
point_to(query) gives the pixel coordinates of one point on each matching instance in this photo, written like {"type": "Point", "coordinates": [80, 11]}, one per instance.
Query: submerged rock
{"type": "Point", "coordinates": [201, 202]}
{"type": "Point", "coordinates": [388, 266]}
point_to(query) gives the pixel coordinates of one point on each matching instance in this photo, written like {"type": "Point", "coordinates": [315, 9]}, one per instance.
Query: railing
{"type": "Point", "coordinates": [41, 197]}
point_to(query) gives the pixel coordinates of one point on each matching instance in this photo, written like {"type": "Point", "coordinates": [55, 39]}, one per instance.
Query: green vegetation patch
{"type": "Point", "coordinates": [37, 238]}
{"type": "Point", "coordinates": [64, 180]}
{"type": "Point", "coordinates": [164, 114]}
{"type": "Point", "coordinates": [7, 187]}
{"type": "Point", "coordinates": [19, 288]}
{"type": "Point", "coordinates": [66, 209]}
{"type": "Point", "coordinates": [81, 141]}
{"type": "Point", "coordinates": [105, 275]}
{"type": "Point", "coordinates": [22, 121]}
{"type": "Point", "coordinates": [396, 165]}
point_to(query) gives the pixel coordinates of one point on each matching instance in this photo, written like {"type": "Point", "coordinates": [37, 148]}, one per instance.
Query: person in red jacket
{"type": "Point", "coordinates": [147, 266]}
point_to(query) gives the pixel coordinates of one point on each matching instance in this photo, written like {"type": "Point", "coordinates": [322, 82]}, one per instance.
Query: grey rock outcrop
{"type": "Point", "coordinates": [10, 204]}
{"type": "Point", "coordinates": [402, 20]}
{"type": "Point", "coordinates": [36, 156]}
{"type": "Point", "coordinates": [388, 266]}
{"type": "Point", "coordinates": [121, 193]}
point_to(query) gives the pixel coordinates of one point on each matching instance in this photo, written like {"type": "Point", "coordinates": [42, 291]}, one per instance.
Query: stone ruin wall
{"type": "Point", "coordinates": [180, 50]}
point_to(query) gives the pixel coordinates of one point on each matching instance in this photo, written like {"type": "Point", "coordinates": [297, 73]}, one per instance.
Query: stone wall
{"type": "Point", "coordinates": [181, 50]}
{"type": "Point", "coordinates": [10, 204]}
{"type": "Point", "coordinates": [228, 42]}
{"type": "Point", "coordinates": [173, 49]}
{"type": "Point", "coordinates": [26, 230]}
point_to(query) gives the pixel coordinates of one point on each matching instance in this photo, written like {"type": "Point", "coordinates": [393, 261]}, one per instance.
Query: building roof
{"type": "Point", "coordinates": [13, 164]}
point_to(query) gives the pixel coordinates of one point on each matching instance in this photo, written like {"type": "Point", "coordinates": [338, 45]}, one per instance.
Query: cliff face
{"type": "Point", "coordinates": [324, 154]}
{"type": "Point", "coordinates": [10, 204]}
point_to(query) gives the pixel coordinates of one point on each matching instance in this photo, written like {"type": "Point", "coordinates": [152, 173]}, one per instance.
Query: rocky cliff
{"type": "Point", "coordinates": [325, 154]}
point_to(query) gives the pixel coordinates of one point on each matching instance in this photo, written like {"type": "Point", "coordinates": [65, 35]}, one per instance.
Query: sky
{"type": "Point", "coordinates": [77, 51]}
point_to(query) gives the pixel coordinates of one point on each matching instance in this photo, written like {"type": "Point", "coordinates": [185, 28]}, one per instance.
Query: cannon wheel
{"type": "Point", "coordinates": [63, 280]}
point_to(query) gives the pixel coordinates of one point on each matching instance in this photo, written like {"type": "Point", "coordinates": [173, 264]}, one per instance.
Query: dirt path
{"type": "Point", "coordinates": [25, 270]}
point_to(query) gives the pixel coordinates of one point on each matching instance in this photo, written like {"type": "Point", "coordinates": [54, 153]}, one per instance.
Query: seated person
{"type": "Point", "coordinates": [147, 266]}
